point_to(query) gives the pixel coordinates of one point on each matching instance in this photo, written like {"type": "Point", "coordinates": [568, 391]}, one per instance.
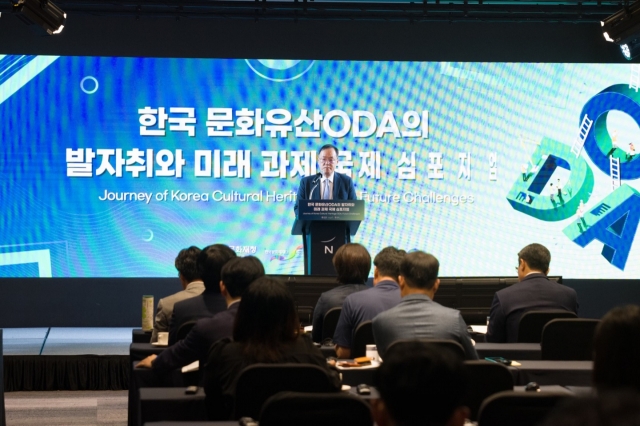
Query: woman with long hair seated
{"type": "Point", "coordinates": [266, 330]}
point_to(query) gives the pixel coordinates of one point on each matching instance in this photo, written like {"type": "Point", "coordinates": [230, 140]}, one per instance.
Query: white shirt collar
{"type": "Point", "coordinates": [330, 178]}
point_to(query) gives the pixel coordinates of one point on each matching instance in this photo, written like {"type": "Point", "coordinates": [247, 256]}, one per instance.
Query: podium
{"type": "Point", "coordinates": [326, 225]}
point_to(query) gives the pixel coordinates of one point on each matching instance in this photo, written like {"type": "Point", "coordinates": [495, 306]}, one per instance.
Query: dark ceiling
{"type": "Point", "coordinates": [420, 11]}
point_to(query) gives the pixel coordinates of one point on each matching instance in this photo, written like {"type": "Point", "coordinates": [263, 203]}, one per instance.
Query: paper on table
{"type": "Point", "coordinates": [374, 364]}
{"type": "Point", "coordinates": [194, 366]}
{"type": "Point", "coordinates": [479, 329]}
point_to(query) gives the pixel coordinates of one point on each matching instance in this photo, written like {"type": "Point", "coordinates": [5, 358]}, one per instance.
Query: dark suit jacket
{"type": "Point", "coordinates": [534, 292]}
{"type": "Point", "coordinates": [328, 300]}
{"type": "Point", "coordinates": [204, 306]}
{"type": "Point", "coordinates": [197, 343]}
{"type": "Point", "coordinates": [342, 189]}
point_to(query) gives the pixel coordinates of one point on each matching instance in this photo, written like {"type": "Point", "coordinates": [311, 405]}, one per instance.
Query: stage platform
{"type": "Point", "coordinates": [67, 341]}
{"type": "Point", "coordinates": [65, 358]}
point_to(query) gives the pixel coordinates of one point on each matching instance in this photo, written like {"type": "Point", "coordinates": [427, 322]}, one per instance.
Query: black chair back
{"type": "Point", "coordinates": [568, 339]}
{"type": "Point", "coordinates": [319, 409]}
{"type": "Point", "coordinates": [532, 322]}
{"type": "Point", "coordinates": [259, 382]}
{"type": "Point", "coordinates": [305, 315]}
{"type": "Point", "coordinates": [184, 329]}
{"type": "Point", "coordinates": [485, 379]}
{"type": "Point", "coordinates": [518, 408]}
{"type": "Point", "coordinates": [330, 322]}
{"type": "Point", "coordinates": [455, 347]}
{"type": "Point", "coordinates": [361, 338]}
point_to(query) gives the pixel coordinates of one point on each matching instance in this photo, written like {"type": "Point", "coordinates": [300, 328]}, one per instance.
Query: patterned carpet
{"type": "Point", "coordinates": [66, 408]}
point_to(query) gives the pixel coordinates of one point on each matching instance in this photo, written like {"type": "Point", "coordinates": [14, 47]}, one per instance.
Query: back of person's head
{"type": "Point", "coordinates": [353, 264]}
{"type": "Point", "coordinates": [239, 272]}
{"type": "Point", "coordinates": [537, 257]}
{"type": "Point", "coordinates": [606, 409]}
{"type": "Point", "coordinates": [616, 349]}
{"type": "Point", "coordinates": [420, 384]}
{"type": "Point", "coordinates": [266, 320]}
{"type": "Point", "coordinates": [210, 262]}
{"type": "Point", "coordinates": [387, 262]}
{"type": "Point", "coordinates": [187, 263]}
{"type": "Point", "coordinates": [420, 270]}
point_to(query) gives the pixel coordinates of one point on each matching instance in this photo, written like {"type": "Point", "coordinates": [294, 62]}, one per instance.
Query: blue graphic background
{"type": "Point", "coordinates": [479, 108]}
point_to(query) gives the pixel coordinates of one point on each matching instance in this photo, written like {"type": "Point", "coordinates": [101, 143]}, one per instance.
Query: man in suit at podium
{"type": "Point", "coordinates": [327, 184]}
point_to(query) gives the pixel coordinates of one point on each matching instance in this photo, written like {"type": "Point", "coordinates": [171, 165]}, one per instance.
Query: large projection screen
{"type": "Point", "coordinates": [109, 166]}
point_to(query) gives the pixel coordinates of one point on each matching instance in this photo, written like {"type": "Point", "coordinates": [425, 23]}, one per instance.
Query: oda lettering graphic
{"type": "Point", "coordinates": [614, 220]}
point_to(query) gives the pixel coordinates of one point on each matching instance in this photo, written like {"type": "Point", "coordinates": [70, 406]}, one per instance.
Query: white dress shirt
{"type": "Point", "coordinates": [322, 186]}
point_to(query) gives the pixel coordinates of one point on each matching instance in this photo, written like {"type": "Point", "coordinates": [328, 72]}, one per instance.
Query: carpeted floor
{"type": "Point", "coordinates": [66, 408]}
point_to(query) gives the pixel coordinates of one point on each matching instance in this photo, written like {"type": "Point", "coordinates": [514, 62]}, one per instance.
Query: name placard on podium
{"type": "Point", "coordinates": [326, 225]}
{"type": "Point", "coordinates": [345, 210]}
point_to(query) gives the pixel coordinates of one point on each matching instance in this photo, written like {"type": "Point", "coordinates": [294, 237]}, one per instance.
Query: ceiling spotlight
{"type": "Point", "coordinates": [623, 28]}
{"type": "Point", "coordinates": [43, 13]}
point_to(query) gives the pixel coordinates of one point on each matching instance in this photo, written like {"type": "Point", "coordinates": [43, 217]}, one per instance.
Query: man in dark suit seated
{"type": "Point", "coordinates": [237, 274]}
{"type": "Point", "coordinates": [420, 384]}
{"type": "Point", "coordinates": [417, 316]}
{"type": "Point", "coordinates": [365, 305]}
{"type": "Point", "coordinates": [534, 292]}
{"type": "Point", "coordinates": [211, 301]}
{"type": "Point", "coordinates": [353, 263]}
{"type": "Point", "coordinates": [187, 265]}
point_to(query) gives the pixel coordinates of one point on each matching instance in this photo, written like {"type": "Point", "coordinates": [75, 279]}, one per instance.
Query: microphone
{"type": "Point", "coordinates": [315, 182]}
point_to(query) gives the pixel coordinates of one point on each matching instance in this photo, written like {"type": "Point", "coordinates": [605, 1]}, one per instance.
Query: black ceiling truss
{"type": "Point", "coordinates": [420, 11]}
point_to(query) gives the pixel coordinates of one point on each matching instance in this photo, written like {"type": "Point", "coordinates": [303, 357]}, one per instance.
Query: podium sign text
{"type": "Point", "coordinates": [343, 210]}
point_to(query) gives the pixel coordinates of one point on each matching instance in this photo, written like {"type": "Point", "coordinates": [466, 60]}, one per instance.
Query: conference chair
{"type": "Point", "coordinates": [569, 339]}
{"type": "Point", "coordinates": [518, 408]}
{"type": "Point", "coordinates": [258, 382]}
{"type": "Point", "coordinates": [532, 322]}
{"type": "Point", "coordinates": [485, 379]}
{"type": "Point", "coordinates": [453, 346]}
{"type": "Point", "coordinates": [330, 322]}
{"type": "Point", "coordinates": [305, 315]}
{"type": "Point", "coordinates": [361, 338]}
{"type": "Point", "coordinates": [315, 409]}
{"type": "Point", "coordinates": [184, 329]}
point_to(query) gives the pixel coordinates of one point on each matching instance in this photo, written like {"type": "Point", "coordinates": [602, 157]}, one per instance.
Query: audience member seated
{"type": "Point", "coordinates": [267, 330]}
{"type": "Point", "coordinates": [211, 301]}
{"type": "Point", "coordinates": [616, 348]}
{"type": "Point", "coordinates": [534, 292]}
{"type": "Point", "coordinates": [607, 409]}
{"type": "Point", "coordinates": [417, 316]}
{"type": "Point", "coordinates": [352, 263]}
{"type": "Point", "coordinates": [365, 305]}
{"type": "Point", "coordinates": [187, 265]}
{"type": "Point", "coordinates": [237, 274]}
{"type": "Point", "coordinates": [420, 385]}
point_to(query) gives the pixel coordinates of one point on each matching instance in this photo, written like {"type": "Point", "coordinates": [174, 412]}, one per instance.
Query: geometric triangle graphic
{"type": "Point", "coordinates": [617, 226]}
